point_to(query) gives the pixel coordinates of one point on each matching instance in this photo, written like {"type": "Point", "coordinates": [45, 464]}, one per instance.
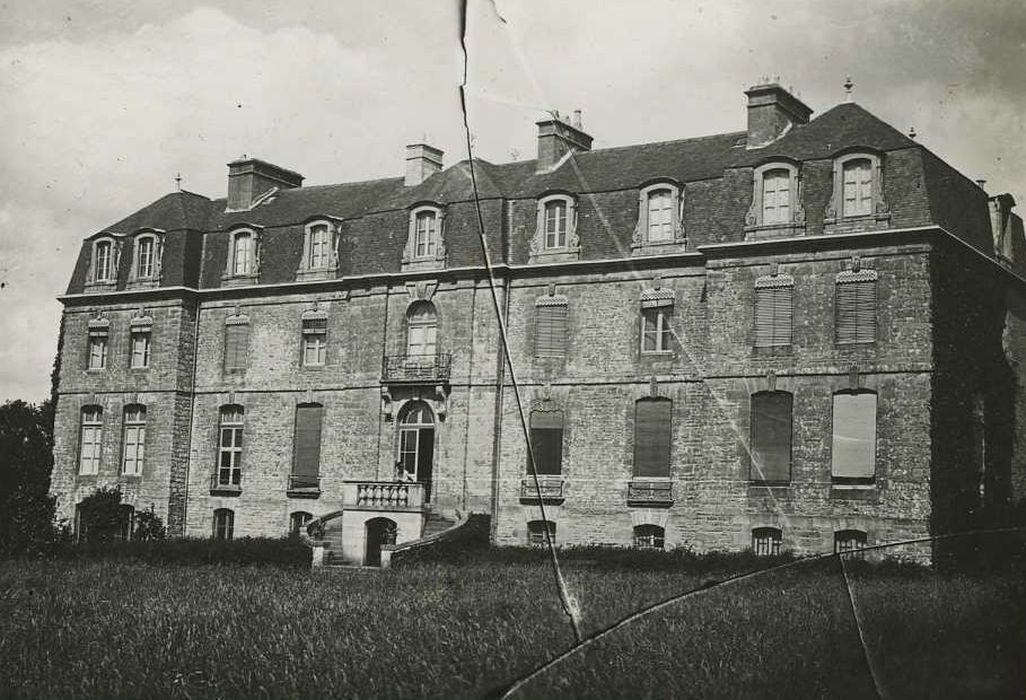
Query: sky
{"type": "Point", "coordinates": [102, 104]}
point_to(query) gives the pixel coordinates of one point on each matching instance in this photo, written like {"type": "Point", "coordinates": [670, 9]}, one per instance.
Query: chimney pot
{"type": "Point", "coordinates": [422, 161]}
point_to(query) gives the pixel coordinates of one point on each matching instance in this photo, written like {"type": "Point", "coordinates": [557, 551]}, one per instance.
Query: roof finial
{"type": "Point", "coordinates": [848, 86]}
{"type": "Point", "coordinates": [912, 132]}
{"type": "Point", "coordinates": [178, 181]}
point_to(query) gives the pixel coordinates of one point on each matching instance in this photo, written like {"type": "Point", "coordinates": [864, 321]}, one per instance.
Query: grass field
{"type": "Point", "coordinates": [102, 630]}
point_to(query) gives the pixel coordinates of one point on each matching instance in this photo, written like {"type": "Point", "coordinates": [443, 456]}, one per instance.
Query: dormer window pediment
{"type": "Point", "coordinates": [104, 263]}
{"type": "Point", "coordinates": [425, 238]}
{"type": "Point", "coordinates": [857, 201]}
{"type": "Point", "coordinates": [243, 259]}
{"type": "Point", "coordinates": [321, 237]}
{"type": "Point", "coordinates": [147, 255]}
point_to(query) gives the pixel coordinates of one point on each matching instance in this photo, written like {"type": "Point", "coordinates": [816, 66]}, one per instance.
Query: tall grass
{"type": "Point", "coordinates": [126, 629]}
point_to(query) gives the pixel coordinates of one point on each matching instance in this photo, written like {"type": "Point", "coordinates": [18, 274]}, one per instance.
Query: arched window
{"type": "Point", "coordinates": [425, 234]}
{"type": "Point", "coordinates": [857, 199]}
{"type": "Point", "coordinates": [766, 541]}
{"type": "Point", "coordinates": [425, 240]}
{"type": "Point", "coordinates": [649, 537]}
{"type": "Point", "coordinates": [421, 329]}
{"type": "Point", "coordinates": [555, 236]}
{"type": "Point", "coordinates": [103, 260]}
{"type": "Point", "coordinates": [847, 541]}
{"type": "Point", "coordinates": [146, 256]}
{"type": "Point", "coordinates": [853, 451]}
{"type": "Point", "coordinates": [546, 442]}
{"type": "Point", "coordinates": [555, 224]}
{"type": "Point", "coordinates": [776, 202]}
{"type": "Point", "coordinates": [229, 453]}
{"type": "Point", "coordinates": [776, 196]}
{"type": "Point", "coordinates": [770, 437]}
{"type": "Point", "coordinates": [298, 522]}
{"type": "Point", "coordinates": [134, 440]}
{"type": "Point", "coordinates": [224, 524]}
{"type": "Point", "coordinates": [652, 437]}
{"type": "Point", "coordinates": [536, 530]}
{"type": "Point", "coordinates": [320, 246]}
{"type": "Point", "coordinates": [242, 257]}
{"type": "Point", "coordinates": [660, 215]}
{"type": "Point", "coordinates": [90, 440]}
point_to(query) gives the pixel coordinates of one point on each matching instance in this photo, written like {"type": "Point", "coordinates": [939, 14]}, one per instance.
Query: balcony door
{"type": "Point", "coordinates": [417, 444]}
{"type": "Point", "coordinates": [421, 333]}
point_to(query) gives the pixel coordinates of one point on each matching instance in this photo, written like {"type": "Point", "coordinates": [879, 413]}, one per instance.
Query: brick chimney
{"type": "Point", "coordinates": [422, 161]}
{"type": "Point", "coordinates": [1001, 224]}
{"type": "Point", "coordinates": [772, 112]}
{"type": "Point", "coordinates": [556, 137]}
{"type": "Point", "coordinates": [250, 178]}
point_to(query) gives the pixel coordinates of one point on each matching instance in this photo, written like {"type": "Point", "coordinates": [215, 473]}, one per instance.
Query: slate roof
{"type": "Point", "coordinates": [602, 170]}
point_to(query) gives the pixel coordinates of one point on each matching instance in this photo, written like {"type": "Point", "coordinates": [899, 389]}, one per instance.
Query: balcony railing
{"type": "Point", "coordinates": [550, 488]}
{"type": "Point", "coordinates": [302, 485]}
{"type": "Point", "coordinates": [226, 483]}
{"type": "Point", "coordinates": [428, 369]}
{"type": "Point", "coordinates": [383, 495]}
{"type": "Point", "coordinates": [643, 492]}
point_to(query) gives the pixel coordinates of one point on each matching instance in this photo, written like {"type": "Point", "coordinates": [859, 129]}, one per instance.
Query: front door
{"type": "Point", "coordinates": [417, 445]}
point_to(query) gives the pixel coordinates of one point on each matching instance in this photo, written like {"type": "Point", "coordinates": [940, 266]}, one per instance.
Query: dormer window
{"type": "Point", "coordinates": [776, 209]}
{"type": "Point", "coordinates": [320, 250]}
{"type": "Point", "coordinates": [857, 201]}
{"type": "Point", "coordinates": [555, 238]}
{"type": "Point", "coordinates": [146, 260]}
{"type": "Point", "coordinates": [243, 256]}
{"type": "Point", "coordinates": [103, 265]}
{"type": "Point", "coordinates": [425, 243]}
{"type": "Point", "coordinates": [659, 219]}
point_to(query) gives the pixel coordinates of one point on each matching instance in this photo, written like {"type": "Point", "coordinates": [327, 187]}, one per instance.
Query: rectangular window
{"type": "Point", "coordinates": [771, 437]}
{"type": "Point", "coordinates": [773, 315]}
{"type": "Point", "coordinates": [652, 437]}
{"type": "Point", "coordinates": [229, 462]}
{"type": "Point", "coordinates": [315, 341]}
{"type": "Point", "coordinates": [146, 258]}
{"type": "Point", "coordinates": [425, 234]}
{"type": "Point", "coordinates": [855, 308]}
{"type": "Point", "coordinates": [244, 252]}
{"type": "Point", "coordinates": [97, 351]}
{"type": "Point", "coordinates": [546, 442]}
{"type": "Point", "coordinates": [555, 225]}
{"type": "Point", "coordinates": [853, 453]}
{"type": "Point", "coordinates": [655, 329]}
{"type": "Point", "coordinates": [140, 341]}
{"type": "Point", "coordinates": [134, 441]}
{"type": "Point", "coordinates": [306, 458]}
{"type": "Point", "coordinates": [224, 524]}
{"type": "Point", "coordinates": [660, 216]}
{"type": "Point", "coordinates": [236, 347]}
{"type": "Point", "coordinates": [536, 530]}
{"type": "Point", "coordinates": [320, 255]}
{"type": "Point", "coordinates": [103, 269]}
{"type": "Point", "coordinates": [766, 541]}
{"type": "Point", "coordinates": [550, 331]}
{"type": "Point", "coordinates": [90, 440]}
{"type": "Point", "coordinates": [858, 188]}
{"type": "Point", "coordinates": [776, 197]}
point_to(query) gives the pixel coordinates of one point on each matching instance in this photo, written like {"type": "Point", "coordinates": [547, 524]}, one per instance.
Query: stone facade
{"type": "Point", "coordinates": [949, 333]}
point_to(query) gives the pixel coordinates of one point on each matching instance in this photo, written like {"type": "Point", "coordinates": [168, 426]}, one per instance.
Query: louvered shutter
{"type": "Point", "coordinates": [236, 346]}
{"type": "Point", "coordinates": [550, 331]}
{"type": "Point", "coordinates": [854, 436]}
{"type": "Point", "coordinates": [771, 437]}
{"type": "Point", "coordinates": [773, 315]}
{"type": "Point", "coordinates": [547, 441]}
{"type": "Point", "coordinates": [855, 307]}
{"type": "Point", "coordinates": [307, 454]}
{"type": "Point", "coordinates": [652, 437]}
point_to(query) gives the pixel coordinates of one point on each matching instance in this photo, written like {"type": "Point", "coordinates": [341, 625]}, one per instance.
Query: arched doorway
{"type": "Point", "coordinates": [416, 448]}
{"type": "Point", "coordinates": [379, 531]}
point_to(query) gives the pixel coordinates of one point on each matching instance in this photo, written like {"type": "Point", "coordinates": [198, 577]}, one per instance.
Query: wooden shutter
{"type": "Point", "coordinates": [547, 442]}
{"type": "Point", "coordinates": [855, 307]}
{"type": "Point", "coordinates": [854, 436]}
{"type": "Point", "coordinates": [652, 437]}
{"type": "Point", "coordinates": [550, 331]}
{"type": "Point", "coordinates": [307, 451]}
{"type": "Point", "coordinates": [771, 437]}
{"type": "Point", "coordinates": [236, 346]}
{"type": "Point", "coordinates": [773, 303]}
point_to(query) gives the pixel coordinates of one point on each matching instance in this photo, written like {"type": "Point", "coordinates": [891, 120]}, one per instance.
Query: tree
{"type": "Point", "coordinates": [26, 446]}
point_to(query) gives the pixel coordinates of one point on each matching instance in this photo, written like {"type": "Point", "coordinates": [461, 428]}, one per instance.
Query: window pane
{"type": "Point", "coordinates": [857, 177]}
{"type": "Point", "coordinates": [771, 437]}
{"type": "Point", "coordinates": [854, 436]}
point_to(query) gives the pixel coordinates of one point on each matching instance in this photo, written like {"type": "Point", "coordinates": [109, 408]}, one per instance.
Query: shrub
{"type": "Point", "coordinates": [284, 551]}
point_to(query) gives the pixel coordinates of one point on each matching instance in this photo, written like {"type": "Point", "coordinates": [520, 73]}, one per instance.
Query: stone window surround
{"type": "Point", "coordinates": [640, 245]}
{"type": "Point", "coordinates": [98, 328]}
{"type": "Point", "coordinates": [114, 265]}
{"type": "Point", "coordinates": [661, 299]}
{"type": "Point", "coordinates": [157, 236]}
{"type": "Point", "coordinates": [754, 225]}
{"type": "Point", "coordinates": [572, 250]}
{"type": "Point", "coordinates": [229, 276]}
{"type": "Point", "coordinates": [306, 271]}
{"type": "Point", "coordinates": [834, 215]}
{"type": "Point", "coordinates": [436, 260]}
{"type": "Point", "coordinates": [309, 331]}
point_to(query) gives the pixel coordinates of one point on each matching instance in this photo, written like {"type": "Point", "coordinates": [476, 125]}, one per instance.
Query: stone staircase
{"type": "Point", "coordinates": [436, 523]}
{"type": "Point", "coordinates": [331, 539]}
